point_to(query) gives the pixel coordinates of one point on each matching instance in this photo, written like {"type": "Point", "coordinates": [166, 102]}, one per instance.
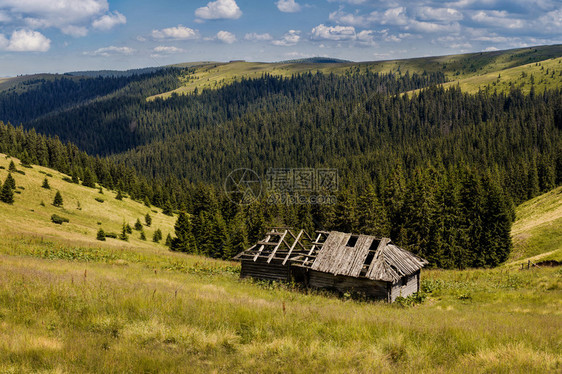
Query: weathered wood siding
{"type": "Point", "coordinates": [263, 270]}
{"type": "Point", "coordinates": [406, 286]}
{"type": "Point", "coordinates": [371, 288]}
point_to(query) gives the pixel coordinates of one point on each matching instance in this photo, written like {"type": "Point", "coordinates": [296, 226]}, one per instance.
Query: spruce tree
{"type": "Point", "coordinates": [138, 225]}
{"type": "Point", "coordinates": [89, 179]}
{"type": "Point", "coordinates": [142, 235]}
{"type": "Point", "coordinates": [46, 184]}
{"type": "Point", "coordinates": [124, 231]}
{"type": "Point", "coordinates": [58, 199]}
{"type": "Point", "coordinates": [7, 194]}
{"type": "Point", "coordinates": [11, 181]}
{"type": "Point", "coordinates": [169, 240]}
{"type": "Point", "coordinates": [168, 209]}
{"type": "Point", "coordinates": [184, 241]}
{"type": "Point", "coordinates": [119, 195]}
{"type": "Point", "coordinates": [157, 236]}
{"type": "Point", "coordinates": [148, 219]}
{"type": "Point", "coordinates": [101, 235]}
{"type": "Point", "coordinates": [12, 166]}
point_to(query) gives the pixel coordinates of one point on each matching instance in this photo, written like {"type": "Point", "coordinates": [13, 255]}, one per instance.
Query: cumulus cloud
{"type": "Point", "coordinates": [290, 38]}
{"type": "Point", "coordinates": [75, 31]}
{"type": "Point", "coordinates": [498, 18]}
{"type": "Point", "coordinates": [344, 18]}
{"type": "Point", "coordinates": [72, 17]}
{"type": "Point", "coordinates": [439, 14]}
{"type": "Point", "coordinates": [26, 41]}
{"type": "Point", "coordinates": [219, 9]}
{"type": "Point", "coordinates": [226, 37]}
{"type": "Point", "coordinates": [108, 21]}
{"type": "Point", "coordinates": [288, 6]}
{"type": "Point", "coordinates": [322, 32]}
{"type": "Point", "coordinates": [111, 50]}
{"type": "Point", "coordinates": [167, 49]}
{"type": "Point", "coordinates": [178, 33]}
{"type": "Point", "coordinates": [258, 37]}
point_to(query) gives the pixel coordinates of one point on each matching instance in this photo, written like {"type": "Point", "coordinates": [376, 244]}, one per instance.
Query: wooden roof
{"type": "Point", "coordinates": [361, 256]}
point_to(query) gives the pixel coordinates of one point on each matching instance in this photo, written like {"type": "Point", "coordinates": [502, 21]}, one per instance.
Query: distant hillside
{"type": "Point", "coordinates": [537, 231]}
{"type": "Point", "coordinates": [29, 218]}
{"type": "Point", "coordinates": [455, 67]}
{"type": "Point", "coordinates": [316, 60]}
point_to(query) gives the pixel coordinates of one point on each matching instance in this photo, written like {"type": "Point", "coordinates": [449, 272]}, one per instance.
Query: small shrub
{"type": "Point", "coordinates": [2, 167]}
{"type": "Point", "coordinates": [142, 236]}
{"type": "Point", "coordinates": [101, 235]}
{"type": "Point", "coordinates": [42, 203]}
{"type": "Point", "coordinates": [18, 192]}
{"type": "Point", "coordinates": [99, 200]}
{"type": "Point", "coordinates": [112, 235]}
{"type": "Point", "coordinates": [58, 219]}
{"type": "Point", "coordinates": [67, 179]}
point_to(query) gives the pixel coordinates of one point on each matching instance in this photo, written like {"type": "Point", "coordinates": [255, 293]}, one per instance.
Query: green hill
{"type": "Point", "coordinates": [69, 303]}
{"type": "Point", "coordinates": [537, 232]}
{"type": "Point", "coordinates": [455, 67]}
{"type": "Point", "coordinates": [28, 223]}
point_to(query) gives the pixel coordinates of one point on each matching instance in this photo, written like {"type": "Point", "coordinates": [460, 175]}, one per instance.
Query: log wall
{"type": "Point", "coordinates": [263, 270]}
{"type": "Point", "coordinates": [370, 288]}
{"type": "Point", "coordinates": [406, 286]}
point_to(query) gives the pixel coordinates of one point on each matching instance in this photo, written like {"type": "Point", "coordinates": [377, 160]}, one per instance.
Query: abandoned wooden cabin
{"type": "Point", "coordinates": [334, 260]}
{"type": "Point", "coordinates": [269, 259]}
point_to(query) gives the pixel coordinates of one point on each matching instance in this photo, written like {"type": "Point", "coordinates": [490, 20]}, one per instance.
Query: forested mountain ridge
{"type": "Point", "coordinates": [438, 171]}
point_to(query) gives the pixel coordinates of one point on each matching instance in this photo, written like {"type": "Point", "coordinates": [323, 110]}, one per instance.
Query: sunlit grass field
{"type": "Point", "coordinates": [71, 304]}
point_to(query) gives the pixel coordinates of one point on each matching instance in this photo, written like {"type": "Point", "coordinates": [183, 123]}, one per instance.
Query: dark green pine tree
{"type": "Point", "coordinates": [124, 232]}
{"type": "Point", "coordinates": [58, 202]}
{"type": "Point", "coordinates": [12, 167]}
{"type": "Point", "coordinates": [142, 236]}
{"type": "Point", "coordinates": [157, 236]}
{"type": "Point", "coordinates": [119, 195]}
{"type": "Point", "coordinates": [168, 208]}
{"type": "Point", "coordinates": [184, 241]}
{"type": "Point", "coordinates": [101, 235]}
{"type": "Point", "coordinates": [237, 236]}
{"type": "Point", "coordinates": [7, 194]}
{"type": "Point", "coordinates": [89, 178]}
{"type": "Point", "coordinates": [75, 178]}
{"type": "Point", "coordinates": [168, 242]}
{"type": "Point", "coordinates": [11, 181]}
{"type": "Point", "coordinates": [138, 225]}
{"type": "Point", "coordinates": [372, 216]}
{"type": "Point", "coordinates": [45, 184]}
{"type": "Point", "coordinates": [148, 219]}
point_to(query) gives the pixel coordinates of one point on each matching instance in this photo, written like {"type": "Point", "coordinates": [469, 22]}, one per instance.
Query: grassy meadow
{"type": "Point", "coordinates": [71, 304]}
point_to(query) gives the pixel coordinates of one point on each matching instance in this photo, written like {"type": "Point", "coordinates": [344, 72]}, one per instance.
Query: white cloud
{"type": "Point", "coordinates": [395, 16]}
{"type": "Point", "coordinates": [322, 32]}
{"type": "Point", "coordinates": [111, 50]}
{"type": "Point", "coordinates": [439, 14]}
{"type": "Point", "coordinates": [551, 21]}
{"type": "Point", "coordinates": [219, 9]}
{"type": "Point", "coordinates": [258, 37]}
{"type": "Point", "coordinates": [108, 21]}
{"type": "Point", "coordinates": [491, 49]}
{"type": "Point", "coordinates": [168, 49]}
{"type": "Point", "coordinates": [72, 17]}
{"type": "Point", "coordinates": [75, 31]}
{"type": "Point", "coordinates": [3, 42]}
{"type": "Point", "coordinates": [226, 37]}
{"type": "Point", "coordinates": [366, 37]}
{"type": "Point", "coordinates": [341, 17]}
{"type": "Point", "coordinates": [498, 18]}
{"type": "Point", "coordinates": [290, 38]}
{"type": "Point", "coordinates": [28, 41]}
{"type": "Point", "coordinates": [288, 6]}
{"type": "Point", "coordinates": [354, 2]}
{"type": "Point", "coordinates": [178, 33]}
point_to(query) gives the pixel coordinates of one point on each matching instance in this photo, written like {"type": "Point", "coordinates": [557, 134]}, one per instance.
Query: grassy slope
{"type": "Point", "coordinates": [69, 303]}
{"type": "Point", "coordinates": [455, 67]}
{"type": "Point", "coordinates": [26, 218]}
{"type": "Point", "coordinates": [537, 233]}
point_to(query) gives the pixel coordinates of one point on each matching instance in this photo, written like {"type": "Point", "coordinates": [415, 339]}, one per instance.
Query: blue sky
{"type": "Point", "coordinates": [66, 35]}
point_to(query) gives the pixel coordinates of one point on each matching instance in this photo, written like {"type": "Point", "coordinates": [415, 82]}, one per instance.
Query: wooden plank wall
{"type": "Point", "coordinates": [406, 286]}
{"type": "Point", "coordinates": [263, 270]}
{"type": "Point", "coordinates": [371, 288]}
